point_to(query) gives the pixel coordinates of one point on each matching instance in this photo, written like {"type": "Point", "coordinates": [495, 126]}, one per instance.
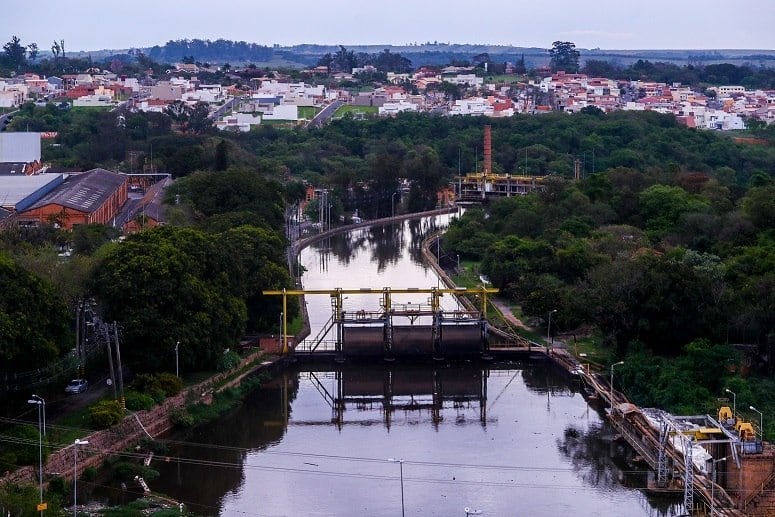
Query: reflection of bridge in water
{"type": "Point", "coordinates": [421, 390]}
{"type": "Point", "coordinates": [398, 330]}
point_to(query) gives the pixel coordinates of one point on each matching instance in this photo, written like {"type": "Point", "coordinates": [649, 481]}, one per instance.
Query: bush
{"type": "Point", "coordinates": [89, 474]}
{"type": "Point", "coordinates": [128, 470]}
{"type": "Point", "coordinates": [157, 385]}
{"type": "Point", "coordinates": [146, 383]}
{"type": "Point", "coordinates": [26, 450]}
{"type": "Point", "coordinates": [57, 485]}
{"type": "Point", "coordinates": [228, 361]}
{"type": "Point", "coordinates": [106, 413]}
{"type": "Point", "coordinates": [181, 417]}
{"type": "Point", "coordinates": [170, 384]}
{"type": "Point", "coordinates": [138, 401]}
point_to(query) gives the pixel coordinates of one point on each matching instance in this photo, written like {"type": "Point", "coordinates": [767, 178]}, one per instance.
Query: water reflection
{"type": "Point", "coordinates": [384, 245]}
{"type": "Point", "coordinates": [498, 437]}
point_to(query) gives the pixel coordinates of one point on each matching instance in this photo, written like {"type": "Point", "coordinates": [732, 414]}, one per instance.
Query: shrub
{"type": "Point", "coordinates": [228, 361]}
{"type": "Point", "coordinates": [138, 401]}
{"type": "Point", "coordinates": [170, 384]}
{"type": "Point", "coordinates": [128, 470]}
{"type": "Point", "coordinates": [89, 474]}
{"type": "Point", "coordinates": [106, 413]}
{"type": "Point", "coordinates": [157, 385]}
{"type": "Point", "coordinates": [181, 417]}
{"type": "Point", "coordinates": [146, 383]}
{"type": "Point", "coordinates": [26, 449]}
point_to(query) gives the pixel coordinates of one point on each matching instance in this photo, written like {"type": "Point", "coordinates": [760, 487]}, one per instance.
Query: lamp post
{"type": "Point", "coordinates": [458, 264]}
{"type": "Point", "coordinates": [713, 486]}
{"type": "Point", "coordinates": [549, 326]}
{"type": "Point", "coordinates": [282, 338]}
{"type": "Point", "coordinates": [401, 467]}
{"type": "Point", "coordinates": [734, 403]}
{"type": "Point", "coordinates": [392, 204]}
{"type": "Point", "coordinates": [761, 421]}
{"type": "Point", "coordinates": [177, 365]}
{"type": "Point", "coordinates": [38, 401]}
{"type": "Point", "coordinates": [612, 384]}
{"type": "Point", "coordinates": [75, 473]}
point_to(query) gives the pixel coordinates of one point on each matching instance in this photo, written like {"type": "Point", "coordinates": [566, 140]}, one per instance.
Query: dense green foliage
{"type": "Point", "coordinates": [667, 251]}
{"type": "Point", "coordinates": [21, 446]}
{"type": "Point", "coordinates": [138, 401]}
{"type": "Point", "coordinates": [33, 319]}
{"type": "Point", "coordinates": [106, 413]}
{"type": "Point", "coordinates": [715, 74]}
{"type": "Point", "coordinates": [667, 267]}
{"type": "Point", "coordinates": [22, 501]}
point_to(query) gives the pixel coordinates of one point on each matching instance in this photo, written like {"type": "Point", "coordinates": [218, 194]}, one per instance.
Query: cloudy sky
{"type": "Point", "coordinates": [608, 24]}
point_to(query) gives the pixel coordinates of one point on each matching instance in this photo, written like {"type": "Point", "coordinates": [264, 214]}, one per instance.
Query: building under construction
{"type": "Point", "coordinates": [479, 187]}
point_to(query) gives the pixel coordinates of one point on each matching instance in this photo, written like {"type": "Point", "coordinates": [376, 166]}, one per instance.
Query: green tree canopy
{"type": "Point", "coordinates": [33, 319]}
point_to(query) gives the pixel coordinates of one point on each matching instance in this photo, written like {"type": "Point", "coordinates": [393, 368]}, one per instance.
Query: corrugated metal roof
{"type": "Point", "coordinates": [14, 189]}
{"type": "Point", "coordinates": [84, 192]}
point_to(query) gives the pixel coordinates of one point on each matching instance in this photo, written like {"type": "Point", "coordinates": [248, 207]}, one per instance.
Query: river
{"type": "Point", "coordinates": [431, 439]}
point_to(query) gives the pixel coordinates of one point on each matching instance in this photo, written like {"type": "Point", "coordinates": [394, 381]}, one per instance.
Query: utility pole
{"type": "Point", "coordinates": [120, 369]}
{"type": "Point", "coordinates": [106, 334]}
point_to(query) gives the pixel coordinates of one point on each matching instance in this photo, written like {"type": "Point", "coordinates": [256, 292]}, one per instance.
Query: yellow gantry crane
{"type": "Point", "coordinates": [386, 301]}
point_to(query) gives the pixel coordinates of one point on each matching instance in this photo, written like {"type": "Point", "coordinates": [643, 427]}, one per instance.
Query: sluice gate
{"type": "Point", "coordinates": [399, 330]}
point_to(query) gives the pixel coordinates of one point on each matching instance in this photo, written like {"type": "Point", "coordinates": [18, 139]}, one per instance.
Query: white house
{"type": "Point", "coordinates": [238, 122]}
{"type": "Point", "coordinates": [394, 108]}
{"type": "Point", "coordinates": [93, 101]}
{"type": "Point", "coordinates": [282, 112]}
{"type": "Point", "coordinates": [472, 106]}
{"type": "Point", "coordinates": [465, 80]}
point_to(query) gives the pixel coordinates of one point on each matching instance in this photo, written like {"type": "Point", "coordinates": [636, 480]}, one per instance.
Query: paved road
{"type": "Point", "coordinates": [325, 114]}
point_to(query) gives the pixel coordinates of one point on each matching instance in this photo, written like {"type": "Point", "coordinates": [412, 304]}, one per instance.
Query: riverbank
{"type": "Point", "coordinates": [138, 425]}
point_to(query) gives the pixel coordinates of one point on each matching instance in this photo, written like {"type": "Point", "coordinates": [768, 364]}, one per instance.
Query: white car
{"type": "Point", "coordinates": [77, 386]}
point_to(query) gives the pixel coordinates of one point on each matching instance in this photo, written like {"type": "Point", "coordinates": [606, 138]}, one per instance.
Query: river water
{"type": "Point", "coordinates": [433, 439]}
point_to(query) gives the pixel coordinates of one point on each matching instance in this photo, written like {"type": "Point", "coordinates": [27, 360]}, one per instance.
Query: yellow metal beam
{"type": "Point", "coordinates": [409, 290]}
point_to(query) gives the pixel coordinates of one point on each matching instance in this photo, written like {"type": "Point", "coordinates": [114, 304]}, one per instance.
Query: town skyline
{"type": "Point", "coordinates": [662, 25]}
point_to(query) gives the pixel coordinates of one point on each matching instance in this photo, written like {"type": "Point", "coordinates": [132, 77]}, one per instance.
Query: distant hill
{"type": "Point", "coordinates": [300, 56]}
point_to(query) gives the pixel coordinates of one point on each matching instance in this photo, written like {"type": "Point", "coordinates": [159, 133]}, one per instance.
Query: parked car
{"type": "Point", "coordinates": [77, 386]}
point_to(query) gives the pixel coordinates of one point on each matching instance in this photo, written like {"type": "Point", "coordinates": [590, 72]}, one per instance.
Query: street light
{"type": "Point", "coordinates": [38, 401]}
{"type": "Point", "coordinates": [549, 326]}
{"type": "Point", "coordinates": [612, 384]}
{"type": "Point", "coordinates": [734, 403]}
{"type": "Point", "coordinates": [282, 340]}
{"type": "Point", "coordinates": [177, 368]}
{"type": "Point", "coordinates": [713, 485]}
{"type": "Point", "coordinates": [401, 466]}
{"type": "Point", "coordinates": [75, 474]}
{"type": "Point", "coordinates": [458, 264]}
{"type": "Point", "coordinates": [761, 421]}
{"type": "Point", "coordinates": [41, 403]}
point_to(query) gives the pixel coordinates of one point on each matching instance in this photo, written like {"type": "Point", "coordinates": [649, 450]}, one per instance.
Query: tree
{"type": "Point", "coordinates": [221, 156]}
{"type": "Point", "coordinates": [15, 53]}
{"type": "Point", "coordinates": [520, 67]}
{"type": "Point", "coordinates": [177, 111]}
{"type": "Point", "coordinates": [33, 319]}
{"type": "Point", "coordinates": [564, 56]}
{"type": "Point", "coordinates": [199, 120]}
{"type": "Point", "coordinates": [33, 51]}
{"type": "Point", "coordinates": [166, 285]}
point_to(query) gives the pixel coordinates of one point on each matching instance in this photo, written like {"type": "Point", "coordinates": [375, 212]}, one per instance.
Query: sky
{"type": "Point", "coordinates": [607, 24]}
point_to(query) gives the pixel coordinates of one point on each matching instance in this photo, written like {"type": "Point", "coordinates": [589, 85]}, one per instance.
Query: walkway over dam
{"type": "Point", "coordinates": [398, 328]}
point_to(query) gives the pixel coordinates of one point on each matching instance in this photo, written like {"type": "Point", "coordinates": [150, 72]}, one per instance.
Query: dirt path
{"type": "Point", "coordinates": [506, 311]}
